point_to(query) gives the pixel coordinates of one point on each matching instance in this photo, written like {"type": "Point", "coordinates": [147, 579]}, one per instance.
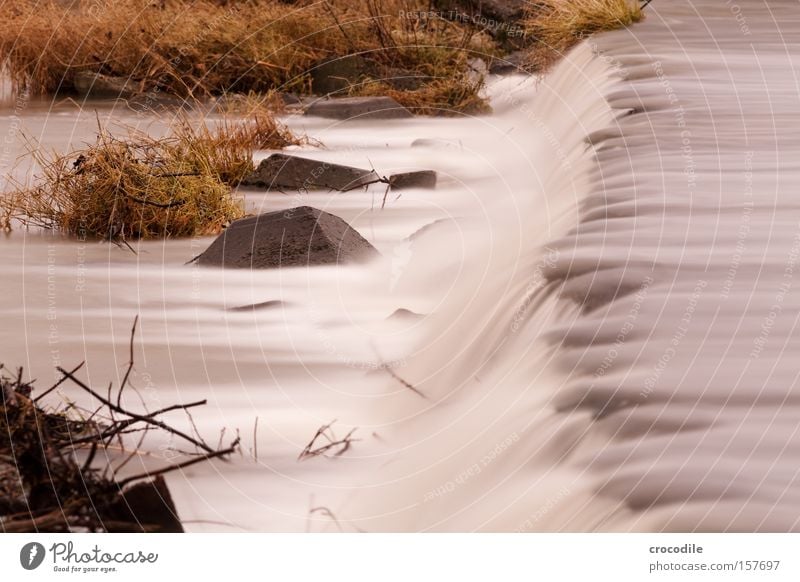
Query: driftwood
{"type": "Point", "coordinates": [52, 478]}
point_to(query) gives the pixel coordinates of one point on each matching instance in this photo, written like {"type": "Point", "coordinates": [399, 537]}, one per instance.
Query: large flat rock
{"type": "Point", "coordinates": [95, 85]}
{"type": "Point", "coordinates": [283, 172]}
{"type": "Point", "coordinates": [287, 238]}
{"type": "Point", "coordinates": [358, 108]}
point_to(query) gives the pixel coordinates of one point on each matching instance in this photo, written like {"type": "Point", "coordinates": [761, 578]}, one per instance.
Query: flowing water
{"type": "Point", "coordinates": [604, 283]}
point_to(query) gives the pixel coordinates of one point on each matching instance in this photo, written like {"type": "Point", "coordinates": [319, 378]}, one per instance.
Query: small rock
{"type": "Point", "coordinates": [477, 70]}
{"type": "Point", "coordinates": [287, 238]}
{"type": "Point", "coordinates": [420, 179]}
{"type": "Point", "coordinates": [284, 172]}
{"type": "Point", "coordinates": [403, 314]}
{"type": "Point", "coordinates": [102, 86]}
{"type": "Point", "coordinates": [502, 19]}
{"type": "Point", "coordinates": [291, 99]}
{"type": "Point", "coordinates": [404, 80]}
{"type": "Point", "coordinates": [357, 108]}
{"type": "Point", "coordinates": [258, 306]}
{"type": "Point", "coordinates": [510, 64]}
{"type": "Point", "coordinates": [436, 143]}
{"type": "Point", "coordinates": [149, 505]}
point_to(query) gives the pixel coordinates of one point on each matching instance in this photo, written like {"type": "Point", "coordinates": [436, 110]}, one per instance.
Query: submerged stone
{"type": "Point", "coordinates": [102, 86]}
{"type": "Point", "coordinates": [288, 238]}
{"type": "Point", "coordinates": [284, 172]}
{"type": "Point", "coordinates": [420, 179]}
{"type": "Point", "coordinates": [358, 108]}
{"type": "Point", "coordinates": [149, 505]}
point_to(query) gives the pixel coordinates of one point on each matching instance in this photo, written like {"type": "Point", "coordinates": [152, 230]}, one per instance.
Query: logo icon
{"type": "Point", "coordinates": [31, 555]}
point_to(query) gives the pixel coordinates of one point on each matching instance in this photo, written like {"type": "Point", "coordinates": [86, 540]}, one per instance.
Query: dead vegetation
{"type": "Point", "coordinates": [143, 187]}
{"type": "Point", "coordinates": [203, 47]}
{"type": "Point", "coordinates": [61, 469]}
{"type": "Point", "coordinates": [557, 25]}
{"type": "Point", "coordinates": [325, 443]}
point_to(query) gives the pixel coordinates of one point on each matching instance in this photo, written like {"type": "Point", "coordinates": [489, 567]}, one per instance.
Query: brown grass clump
{"type": "Point", "coordinates": [557, 25]}
{"type": "Point", "coordinates": [199, 47]}
{"type": "Point", "coordinates": [143, 187]}
{"type": "Point", "coordinates": [436, 96]}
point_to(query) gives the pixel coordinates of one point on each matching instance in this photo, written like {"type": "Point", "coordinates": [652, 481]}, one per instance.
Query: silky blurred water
{"type": "Point", "coordinates": [605, 289]}
{"type": "Point", "coordinates": [315, 357]}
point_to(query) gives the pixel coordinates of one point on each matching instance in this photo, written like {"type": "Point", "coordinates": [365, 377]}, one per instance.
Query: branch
{"type": "Point", "coordinates": [133, 415]}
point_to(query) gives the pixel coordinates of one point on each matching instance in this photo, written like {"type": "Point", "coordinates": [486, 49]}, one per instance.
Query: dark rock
{"type": "Point", "coordinates": [291, 99]}
{"type": "Point", "coordinates": [258, 306]}
{"type": "Point", "coordinates": [149, 505]}
{"type": "Point", "coordinates": [436, 143]}
{"type": "Point", "coordinates": [477, 70]}
{"type": "Point", "coordinates": [283, 172]}
{"type": "Point", "coordinates": [514, 62]}
{"type": "Point", "coordinates": [420, 179]}
{"type": "Point", "coordinates": [404, 80]}
{"type": "Point", "coordinates": [502, 19]}
{"type": "Point", "coordinates": [490, 13]}
{"type": "Point", "coordinates": [295, 237]}
{"type": "Point", "coordinates": [102, 86]}
{"type": "Point", "coordinates": [338, 74]}
{"type": "Point", "coordinates": [357, 108]}
{"type": "Point", "coordinates": [404, 314]}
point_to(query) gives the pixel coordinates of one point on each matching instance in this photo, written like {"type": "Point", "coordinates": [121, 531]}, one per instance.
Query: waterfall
{"type": "Point", "coordinates": [484, 449]}
{"type": "Point", "coordinates": [621, 354]}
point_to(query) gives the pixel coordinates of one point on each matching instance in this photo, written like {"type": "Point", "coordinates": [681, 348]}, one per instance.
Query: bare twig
{"type": "Point", "coordinates": [211, 455]}
{"type": "Point", "coordinates": [139, 417]}
{"type": "Point", "coordinates": [313, 449]}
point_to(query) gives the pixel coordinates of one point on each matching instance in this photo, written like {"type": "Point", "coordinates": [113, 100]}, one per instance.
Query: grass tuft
{"type": "Point", "coordinates": [145, 187]}
{"type": "Point", "coordinates": [557, 25]}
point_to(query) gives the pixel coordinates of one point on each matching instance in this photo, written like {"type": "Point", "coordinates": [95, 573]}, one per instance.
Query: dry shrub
{"type": "Point", "coordinates": [557, 25]}
{"type": "Point", "coordinates": [198, 48]}
{"type": "Point", "coordinates": [144, 187]}
{"type": "Point", "coordinates": [61, 468]}
{"type": "Point", "coordinates": [435, 97]}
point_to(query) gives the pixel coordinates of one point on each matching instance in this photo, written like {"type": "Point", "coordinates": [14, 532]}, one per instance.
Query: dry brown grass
{"type": "Point", "coordinates": [143, 187]}
{"type": "Point", "coordinates": [435, 97]}
{"type": "Point", "coordinates": [557, 25]}
{"type": "Point", "coordinates": [196, 48]}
